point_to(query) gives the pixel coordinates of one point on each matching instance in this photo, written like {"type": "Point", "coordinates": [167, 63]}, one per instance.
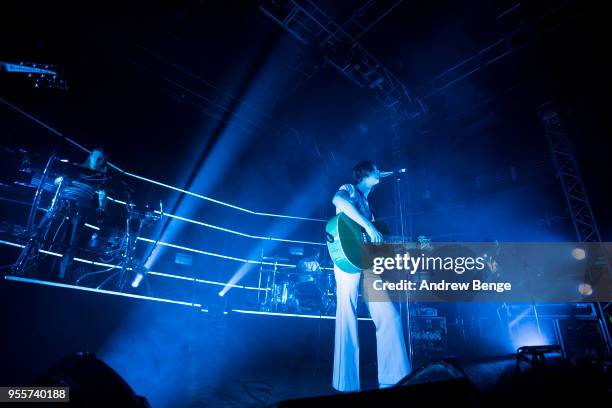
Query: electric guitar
{"type": "Point", "coordinates": [346, 243]}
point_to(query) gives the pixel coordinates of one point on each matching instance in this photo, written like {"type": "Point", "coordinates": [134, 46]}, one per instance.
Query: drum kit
{"type": "Point", "coordinates": [307, 288]}
{"type": "Point", "coordinates": [73, 197]}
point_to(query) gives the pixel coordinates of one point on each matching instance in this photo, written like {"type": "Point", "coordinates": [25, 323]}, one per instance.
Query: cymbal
{"type": "Point", "coordinates": [275, 258]}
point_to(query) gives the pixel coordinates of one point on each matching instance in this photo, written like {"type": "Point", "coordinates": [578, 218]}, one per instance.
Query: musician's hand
{"type": "Point", "coordinates": [102, 199]}
{"type": "Point", "coordinates": [375, 236]}
{"type": "Point", "coordinates": [100, 216]}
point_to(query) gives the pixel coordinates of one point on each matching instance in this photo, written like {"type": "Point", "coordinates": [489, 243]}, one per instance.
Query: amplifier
{"type": "Point", "coordinates": [582, 338]}
{"type": "Point", "coordinates": [551, 310]}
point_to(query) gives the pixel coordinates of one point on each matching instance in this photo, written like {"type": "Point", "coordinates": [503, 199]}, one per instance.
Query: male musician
{"type": "Point", "coordinates": [97, 161]}
{"type": "Point", "coordinates": [393, 364]}
{"type": "Point", "coordinates": [96, 179]}
{"type": "Point", "coordinates": [79, 189]}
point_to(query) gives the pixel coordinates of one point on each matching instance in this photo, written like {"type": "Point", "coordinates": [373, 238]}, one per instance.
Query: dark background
{"type": "Point", "coordinates": [207, 96]}
{"type": "Point", "coordinates": [154, 81]}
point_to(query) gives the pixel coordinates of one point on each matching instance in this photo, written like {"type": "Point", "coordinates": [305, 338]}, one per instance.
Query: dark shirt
{"type": "Point", "coordinates": [82, 185]}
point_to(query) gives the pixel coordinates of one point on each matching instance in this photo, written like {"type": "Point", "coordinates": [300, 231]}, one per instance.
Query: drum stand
{"type": "Point", "coordinates": [328, 294]}
{"type": "Point", "coordinates": [279, 296]}
{"type": "Point", "coordinates": [270, 301]}
{"type": "Point", "coordinates": [29, 253]}
{"type": "Point", "coordinates": [129, 262]}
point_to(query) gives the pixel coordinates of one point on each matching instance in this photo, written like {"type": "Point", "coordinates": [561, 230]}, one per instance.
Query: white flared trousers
{"type": "Point", "coordinates": [393, 364]}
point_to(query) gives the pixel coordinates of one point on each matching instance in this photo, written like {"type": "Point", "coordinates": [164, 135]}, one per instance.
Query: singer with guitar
{"type": "Point", "coordinates": [352, 200]}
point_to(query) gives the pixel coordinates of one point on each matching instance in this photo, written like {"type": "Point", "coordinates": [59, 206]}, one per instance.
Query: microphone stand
{"type": "Point", "coordinates": [39, 190]}
{"type": "Point", "coordinates": [408, 335]}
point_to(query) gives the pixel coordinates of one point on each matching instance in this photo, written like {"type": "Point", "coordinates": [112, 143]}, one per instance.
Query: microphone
{"type": "Point", "coordinates": [384, 174]}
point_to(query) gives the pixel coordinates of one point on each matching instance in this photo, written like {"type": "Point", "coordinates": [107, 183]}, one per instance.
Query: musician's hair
{"type": "Point", "coordinates": [101, 150]}
{"type": "Point", "coordinates": [361, 170]}
{"type": "Point", "coordinates": [103, 167]}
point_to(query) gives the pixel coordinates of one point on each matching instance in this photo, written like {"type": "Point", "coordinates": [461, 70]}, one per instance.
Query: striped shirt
{"type": "Point", "coordinates": [357, 198]}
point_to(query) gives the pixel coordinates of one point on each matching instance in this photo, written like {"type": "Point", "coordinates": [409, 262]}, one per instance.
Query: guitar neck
{"type": "Point", "coordinates": [397, 239]}
{"type": "Point", "coordinates": [393, 239]}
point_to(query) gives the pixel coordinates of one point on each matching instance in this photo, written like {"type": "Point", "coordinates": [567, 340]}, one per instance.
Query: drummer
{"type": "Point", "coordinates": [96, 161]}
{"type": "Point", "coordinates": [82, 188]}
{"type": "Point", "coordinates": [309, 285]}
{"type": "Point", "coordinates": [94, 176]}
{"type": "Point", "coordinates": [307, 268]}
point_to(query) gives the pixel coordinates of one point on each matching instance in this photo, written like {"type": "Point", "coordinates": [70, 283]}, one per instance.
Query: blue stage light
{"type": "Point", "coordinates": [257, 312]}
{"type": "Point", "coordinates": [585, 289]}
{"type": "Point", "coordinates": [106, 265]}
{"type": "Point", "coordinates": [579, 254]}
{"type": "Point", "coordinates": [302, 203]}
{"type": "Point", "coordinates": [103, 291]}
{"type": "Point", "coordinates": [92, 227]}
{"type": "Point", "coordinates": [137, 280]}
{"type": "Point", "coordinates": [528, 330]}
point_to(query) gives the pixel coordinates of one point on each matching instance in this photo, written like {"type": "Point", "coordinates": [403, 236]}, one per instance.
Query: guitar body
{"type": "Point", "coordinates": [346, 243]}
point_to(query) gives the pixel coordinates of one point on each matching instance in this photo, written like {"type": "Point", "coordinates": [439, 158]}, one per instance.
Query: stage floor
{"type": "Point", "coordinates": [173, 354]}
